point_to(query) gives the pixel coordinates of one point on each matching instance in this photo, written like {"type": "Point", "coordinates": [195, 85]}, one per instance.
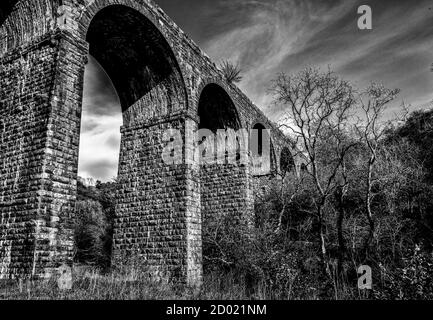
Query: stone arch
{"type": "Point", "coordinates": [49, 127]}
{"type": "Point", "coordinates": [150, 12]}
{"type": "Point", "coordinates": [216, 109]}
{"type": "Point", "coordinates": [262, 136]}
{"type": "Point", "coordinates": [303, 167]}
{"type": "Point", "coordinates": [218, 117]}
{"type": "Point", "coordinates": [143, 67]}
{"type": "Point", "coordinates": [23, 20]}
{"type": "Point", "coordinates": [222, 182]}
{"type": "Point", "coordinates": [287, 163]}
{"type": "Point", "coordinates": [214, 81]}
{"type": "Point", "coordinates": [5, 9]}
{"type": "Point", "coordinates": [37, 20]}
{"type": "Point", "coordinates": [139, 61]}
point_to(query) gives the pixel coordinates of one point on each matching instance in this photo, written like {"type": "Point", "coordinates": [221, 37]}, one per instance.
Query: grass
{"type": "Point", "coordinates": [133, 284]}
{"type": "Point", "coordinates": [126, 284]}
{"type": "Point", "coordinates": [90, 284]}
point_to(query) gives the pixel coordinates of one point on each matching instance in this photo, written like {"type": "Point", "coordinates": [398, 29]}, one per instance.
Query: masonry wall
{"type": "Point", "coordinates": [41, 120]}
{"type": "Point", "coordinates": [224, 190]}
{"type": "Point", "coordinates": [152, 210]}
{"type": "Point", "coordinates": [54, 245]}
{"type": "Point", "coordinates": [26, 81]}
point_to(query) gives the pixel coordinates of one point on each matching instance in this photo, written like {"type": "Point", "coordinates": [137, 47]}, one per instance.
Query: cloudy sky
{"type": "Point", "coordinates": [270, 36]}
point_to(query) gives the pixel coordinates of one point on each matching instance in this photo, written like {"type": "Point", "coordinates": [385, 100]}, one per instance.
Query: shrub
{"type": "Point", "coordinates": [231, 72]}
{"type": "Point", "coordinates": [410, 281]}
{"type": "Point", "coordinates": [90, 233]}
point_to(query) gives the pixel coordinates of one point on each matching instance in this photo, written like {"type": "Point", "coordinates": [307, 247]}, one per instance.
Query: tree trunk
{"type": "Point", "coordinates": [340, 220]}
{"type": "Point", "coordinates": [323, 251]}
{"type": "Point", "coordinates": [368, 210]}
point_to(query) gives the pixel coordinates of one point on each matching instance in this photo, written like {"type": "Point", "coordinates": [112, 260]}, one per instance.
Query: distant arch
{"type": "Point", "coordinates": [216, 109]}
{"type": "Point", "coordinates": [5, 9]}
{"type": "Point", "coordinates": [262, 136]}
{"type": "Point", "coordinates": [303, 168]}
{"type": "Point", "coordinates": [287, 164]}
{"type": "Point", "coordinates": [262, 150]}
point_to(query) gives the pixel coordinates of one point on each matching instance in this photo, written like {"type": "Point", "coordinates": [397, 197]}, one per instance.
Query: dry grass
{"type": "Point", "coordinates": [133, 284]}
{"type": "Point", "coordinates": [126, 284]}
{"type": "Point", "coordinates": [90, 284]}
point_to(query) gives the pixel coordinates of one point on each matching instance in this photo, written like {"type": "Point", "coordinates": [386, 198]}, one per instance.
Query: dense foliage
{"type": "Point", "coordinates": [94, 221]}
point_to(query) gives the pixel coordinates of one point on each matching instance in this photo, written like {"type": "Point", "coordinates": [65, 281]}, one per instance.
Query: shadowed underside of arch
{"type": "Point", "coordinates": [6, 7]}
{"type": "Point", "coordinates": [262, 151]}
{"type": "Point", "coordinates": [224, 183]}
{"type": "Point", "coordinates": [287, 163]}
{"type": "Point", "coordinates": [137, 58]}
{"type": "Point", "coordinates": [216, 109]}
{"type": "Point", "coordinates": [151, 222]}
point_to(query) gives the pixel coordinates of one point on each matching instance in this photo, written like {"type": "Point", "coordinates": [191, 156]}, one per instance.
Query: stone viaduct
{"type": "Point", "coordinates": [164, 81]}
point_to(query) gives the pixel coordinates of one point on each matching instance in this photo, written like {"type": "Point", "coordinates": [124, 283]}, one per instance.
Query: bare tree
{"type": "Point", "coordinates": [373, 102]}
{"type": "Point", "coordinates": [288, 192]}
{"type": "Point", "coordinates": [340, 195]}
{"type": "Point", "coordinates": [318, 107]}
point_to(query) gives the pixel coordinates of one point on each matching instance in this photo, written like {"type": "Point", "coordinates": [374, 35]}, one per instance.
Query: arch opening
{"type": "Point", "coordinates": [261, 137]}
{"type": "Point", "coordinates": [287, 164]}
{"type": "Point", "coordinates": [304, 168]}
{"type": "Point", "coordinates": [217, 113]}
{"type": "Point", "coordinates": [216, 109]}
{"type": "Point", "coordinates": [262, 150]}
{"type": "Point", "coordinates": [6, 8]}
{"type": "Point", "coordinates": [221, 179]}
{"type": "Point", "coordinates": [139, 61]}
{"type": "Point", "coordinates": [139, 68]}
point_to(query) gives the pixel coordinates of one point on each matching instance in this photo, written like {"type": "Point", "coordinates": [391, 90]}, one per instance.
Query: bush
{"type": "Point", "coordinates": [261, 262]}
{"type": "Point", "coordinates": [90, 233]}
{"type": "Point", "coordinates": [411, 281]}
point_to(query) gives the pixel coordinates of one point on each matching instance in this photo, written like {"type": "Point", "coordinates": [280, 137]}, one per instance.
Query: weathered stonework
{"type": "Point", "coordinates": [160, 76]}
